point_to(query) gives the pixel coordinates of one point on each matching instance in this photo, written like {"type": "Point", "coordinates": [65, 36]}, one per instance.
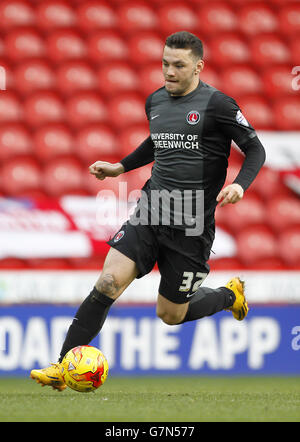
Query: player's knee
{"type": "Point", "coordinates": [108, 285]}
{"type": "Point", "coordinates": [168, 317]}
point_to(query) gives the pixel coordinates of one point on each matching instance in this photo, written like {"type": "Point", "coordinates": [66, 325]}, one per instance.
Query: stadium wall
{"type": "Point", "coordinates": [136, 342]}
{"type": "Point", "coordinates": [71, 287]}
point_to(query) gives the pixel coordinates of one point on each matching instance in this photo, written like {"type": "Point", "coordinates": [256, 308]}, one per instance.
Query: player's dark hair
{"type": "Point", "coordinates": [186, 40]}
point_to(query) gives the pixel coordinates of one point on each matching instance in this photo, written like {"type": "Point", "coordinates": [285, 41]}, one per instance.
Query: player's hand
{"type": "Point", "coordinates": [103, 169]}
{"type": "Point", "coordinates": [230, 194]}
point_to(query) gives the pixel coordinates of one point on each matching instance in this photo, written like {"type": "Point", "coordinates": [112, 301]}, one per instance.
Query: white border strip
{"type": "Point", "coordinates": [72, 287]}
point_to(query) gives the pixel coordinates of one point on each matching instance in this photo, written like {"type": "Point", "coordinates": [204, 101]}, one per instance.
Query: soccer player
{"type": "Point", "coordinates": [192, 125]}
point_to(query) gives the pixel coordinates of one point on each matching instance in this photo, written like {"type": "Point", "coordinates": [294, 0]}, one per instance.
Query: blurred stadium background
{"type": "Point", "coordinates": [74, 78]}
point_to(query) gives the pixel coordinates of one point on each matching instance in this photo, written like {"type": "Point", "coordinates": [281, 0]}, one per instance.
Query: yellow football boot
{"type": "Point", "coordinates": [240, 307]}
{"type": "Point", "coordinates": [49, 376]}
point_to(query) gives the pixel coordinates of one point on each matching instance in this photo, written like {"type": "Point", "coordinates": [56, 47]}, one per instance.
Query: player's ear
{"type": "Point", "coordinates": [199, 66]}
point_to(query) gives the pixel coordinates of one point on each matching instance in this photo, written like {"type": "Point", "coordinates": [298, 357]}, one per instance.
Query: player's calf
{"type": "Point", "coordinates": [108, 285]}
{"type": "Point", "coordinates": [206, 302]}
{"type": "Point", "coordinates": [170, 312]}
{"type": "Point", "coordinates": [88, 321]}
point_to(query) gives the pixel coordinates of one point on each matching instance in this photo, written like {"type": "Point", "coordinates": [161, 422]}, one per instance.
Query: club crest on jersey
{"type": "Point", "coordinates": [119, 236]}
{"type": "Point", "coordinates": [193, 117]}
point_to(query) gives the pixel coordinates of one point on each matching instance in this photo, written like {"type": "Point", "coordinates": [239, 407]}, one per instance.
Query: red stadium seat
{"type": "Point", "coordinates": [232, 171]}
{"type": "Point", "coordinates": [291, 180]}
{"type": "Point", "coordinates": [151, 78]}
{"type": "Point", "coordinates": [20, 175]}
{"type": "Point", "coordinates": [15, 140]}
{"type": "Point", "coordinates": [249, 211]}
{"type": "Point", "coordinates": [215, 17]}
{"type": "Point", "coordinates": [85, 108]}
{"type": "Point", "coordinates": [176, 16]}
{"type": "Point", "coordinates": [53, 140]}
{"type": "Point", "coordinates": [145, 48]}
{"type": "Point", "coordinates": [269, 264]}
{"type": "Point", "coordinates": [117, 77]}
{"type": "Point", "coordinates": [137, 178]}
{"type": "Point", "coordinates": [35, 194]}
{"type": "Point", "coordinates": [236, 156]}
{"type": "Point", "coordinates": [135, 16]}
{"type": "Point", "coordinates": [106, 46]}
{"type": "Point", "coordinates": [227, 49]}
{"type": "Point", "coordinates": [207, 55]}
{"type": "Point", "coordinates": [256, 243]}
{"type": "Point", "coordinates": [14, 13]}
{"type": "Point", "coordinates": [221, 218]}
{"type": "Point", "coordinates": [11, 109]}
{"type": "Point", "coordinates": [289, 19]}
{"type": "Point", "coordinates": [51, 14]}
{"type": "Point", "coordinates": [239, 3]}
{"type": "Point", "coordinates": [289, 247]}
{"type": "Point", "coordinates": [211, 77]}
{"type": "Point", "coordinates": [125, 110]}
{"type": "Point", "coordinates": [257, 111]}
{"type": "Point", "coordinates": [93, 185]}
{"type": "Point", "coordinates": [278, 81]}
{"type": "Point", "coordinates": [294, 46]}
{"type": "Point", "coordinates": [96, 142]}
{"type": "Point", "coordinates": [268, 184]}
{"type": "Point", "coordinates": [283, 212]}
{"type": "Point", "coordinates": [269, 50]}
{"type": "Point", "coordinates": [2, 51]}
{"type": "Point", "coordinates": [42, 108]}
{"type": "Point", "coordinates": [240, 80]}
{"type": "Point", "coordinates": [117, 2]}
{"type": "Point", "coordinates": [65, 44]}
{"type": "Point", "coordinates": [225, 264]}
{"type": "Point", "coordinates": [130, 138]}
{"type": "Point", "coordinates": [155, 2]}
{"type": "Point", "coordinates": [75, 76]}
{"type": "Point", "coordinates": [7, 81]}
{"type": "Point", "coordinates": [257, 18]}
{"type": "Point", "coordinates": [23, 43]}
{"type": "Point", "coordinates": [287, 113]}
{"type": "Point", "coordinates": [93, 15]}
{"type": "Point", "coordinates": [62, 176]}
{"type": "Point", "coordinates": [34, 75]}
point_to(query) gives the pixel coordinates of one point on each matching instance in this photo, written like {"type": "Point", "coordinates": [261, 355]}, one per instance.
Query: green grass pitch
{"type": "Point", "coordinates": [156, 399]}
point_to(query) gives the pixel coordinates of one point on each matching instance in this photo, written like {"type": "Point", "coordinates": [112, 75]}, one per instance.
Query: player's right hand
{"type": "Point", "coordinates": [103, 169]}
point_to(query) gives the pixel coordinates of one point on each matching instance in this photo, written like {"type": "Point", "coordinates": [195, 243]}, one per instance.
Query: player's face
{"type": "Point", "coordinates": [181, 70]}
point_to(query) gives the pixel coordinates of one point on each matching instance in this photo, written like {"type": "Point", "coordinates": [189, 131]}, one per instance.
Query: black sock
{"type": "Point", "coordinates": [87, 322]}
{"type": "Point", "coordinates": [206, 302]}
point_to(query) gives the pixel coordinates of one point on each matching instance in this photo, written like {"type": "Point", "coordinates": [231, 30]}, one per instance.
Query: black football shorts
{"type": "Point", "coordinates": [182, 260]}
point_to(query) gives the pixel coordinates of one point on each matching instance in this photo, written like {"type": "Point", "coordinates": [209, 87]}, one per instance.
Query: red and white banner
{"type": "Point", "coordinates": [50, 228]}
{"type": "Point", "coordinates": [73, 226]}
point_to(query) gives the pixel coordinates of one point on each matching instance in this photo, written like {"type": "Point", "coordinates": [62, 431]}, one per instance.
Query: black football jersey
{"type": "Point", "coordinates": [192, 136]}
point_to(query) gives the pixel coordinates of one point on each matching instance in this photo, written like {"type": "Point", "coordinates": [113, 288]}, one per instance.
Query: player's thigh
{"type": "Point", "coordinates": [170, 312]}
{"type": "Point", "coordinates": [183, 268]}
{"type": "Point", "coordinates": [118, 272]}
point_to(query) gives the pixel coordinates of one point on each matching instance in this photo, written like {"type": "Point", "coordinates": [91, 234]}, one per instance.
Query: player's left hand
{"type": "Point", "coordinates": [230, 194]}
